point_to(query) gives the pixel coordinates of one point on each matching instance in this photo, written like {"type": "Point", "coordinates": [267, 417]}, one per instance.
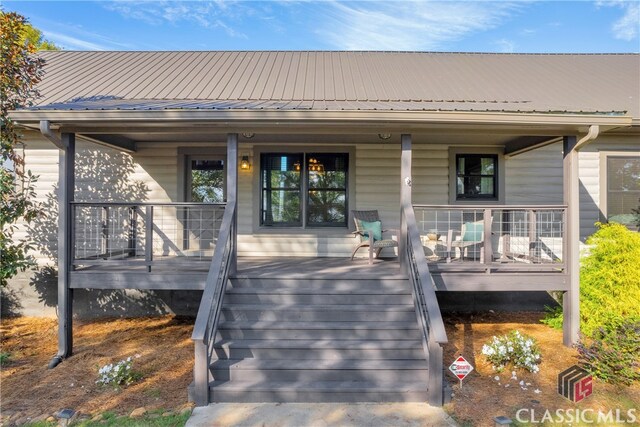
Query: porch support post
{"type": "Point", "coordinates": [571, 187]}
{"type": "Point", "coordinates": [232, 196]}
{"type": "Point", "coordinates": [405, 197]}
{"type": "Point", "coordinates": [66, 184]}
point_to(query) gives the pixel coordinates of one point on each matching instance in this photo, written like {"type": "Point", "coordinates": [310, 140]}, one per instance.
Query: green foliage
{"type": "Point", "coordinates": [609, 280]}
{"type": "Point", "coordinates": [119, 374]}
{"type": "Point", "coordinates": [612, 354]}
{"type": "Point", "coordinates": [553, 316]}
{"type": "Point", "coordinates": [152, 419]}
{"type": "Point", "coordinates": [515, 349]}
{"type": "Point", "coordinates": [20, 72]}
{"type": "Point", "coordinates": [5, 358]}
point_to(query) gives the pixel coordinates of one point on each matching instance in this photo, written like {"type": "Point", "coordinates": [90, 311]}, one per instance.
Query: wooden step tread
{"type": "Point", "coordinates": [322, 364]}
{"type": "Point", "coordinates": [317, 325]}
{"type": "Point", "coordinates": [322, 344]}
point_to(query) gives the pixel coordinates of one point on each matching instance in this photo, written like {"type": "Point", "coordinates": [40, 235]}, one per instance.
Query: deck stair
{"type": "Point", "coordinates": [318, 337]}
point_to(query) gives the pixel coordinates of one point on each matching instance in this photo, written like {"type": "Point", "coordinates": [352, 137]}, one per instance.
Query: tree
{"type": "Point", "coordinates": [20, 72]}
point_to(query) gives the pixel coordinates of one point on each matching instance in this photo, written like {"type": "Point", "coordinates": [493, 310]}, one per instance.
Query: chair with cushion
{"type": "Point", "coordinates": [368, 228]}
{"type": "Point", "coordinates": [471, 236]}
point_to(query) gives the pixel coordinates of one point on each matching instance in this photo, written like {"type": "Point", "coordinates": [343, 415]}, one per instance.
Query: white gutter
{"type": "Point", "coordinates": [594, 131]}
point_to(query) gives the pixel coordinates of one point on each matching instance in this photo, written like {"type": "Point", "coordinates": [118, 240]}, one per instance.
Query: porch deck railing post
{"type": "Point", "coordinates": [405, 197]}
{"type": "Point", "coordinates": [533, 233]}
{"type": "Point", "coordinates": [66, 185]}
{"type": "Point", "coordinates": [488, 244]}
{"type": "Point", "coordinates": [133, 231]}
{"type": "Point", "coordinates": [148, 237]}
{"type": "Point", "coordinates": [232, 196]}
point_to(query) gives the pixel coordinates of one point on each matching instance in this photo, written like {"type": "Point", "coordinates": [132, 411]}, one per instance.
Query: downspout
{"type": "Point", "coordinates": [45, 130]}
{"type": "Point", "coordinates": [594, 131]}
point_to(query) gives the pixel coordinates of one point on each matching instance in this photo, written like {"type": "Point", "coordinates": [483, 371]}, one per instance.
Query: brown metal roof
{"type": "Point", "coordinates": [591, 83]}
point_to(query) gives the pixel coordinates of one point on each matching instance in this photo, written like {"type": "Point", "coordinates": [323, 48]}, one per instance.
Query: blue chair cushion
{"type": "Point", "coordinates": [473, 231]}
{"type": "Point", "coordinates": [374, 228]}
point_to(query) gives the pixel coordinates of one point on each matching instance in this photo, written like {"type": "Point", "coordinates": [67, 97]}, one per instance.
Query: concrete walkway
{"type": "Point", "coordinates": [319, 415]}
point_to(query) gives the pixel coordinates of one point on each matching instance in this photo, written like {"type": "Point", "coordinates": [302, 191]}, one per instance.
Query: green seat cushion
{"type": "Point", "coordinates": [473, 231]}
{"type": "Point", "coordinates": [374, 228]}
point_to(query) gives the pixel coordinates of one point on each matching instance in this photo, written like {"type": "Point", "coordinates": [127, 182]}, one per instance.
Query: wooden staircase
{"type": "Point", "coordinates": [310, 336]}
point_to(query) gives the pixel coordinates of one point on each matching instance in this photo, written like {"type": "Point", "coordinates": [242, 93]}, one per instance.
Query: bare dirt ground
{"type": "Point", "coordinates": [482, 397]}
{"type": "Point", "coordinates": [166, 363]}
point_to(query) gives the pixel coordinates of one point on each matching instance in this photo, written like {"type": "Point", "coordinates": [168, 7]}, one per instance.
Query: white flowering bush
{"type": "Point", "coordinates": [521, 351]}
{"type": "Point", "coordinates": [119, 374]}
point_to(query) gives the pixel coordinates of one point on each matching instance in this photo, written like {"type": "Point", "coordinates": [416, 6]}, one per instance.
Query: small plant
{"type": "Point", "coordinates": [521, 351]}
{"type": "Point", "coordinates": [5, 358]}
{"type": "Point", "coordinates": [611, 354]}
{"type": "Point", "coordinates": [120, 374]}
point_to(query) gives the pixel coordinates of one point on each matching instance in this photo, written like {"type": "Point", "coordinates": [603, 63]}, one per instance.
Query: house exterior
{"type": "Point", "coordinates": [230, 172]}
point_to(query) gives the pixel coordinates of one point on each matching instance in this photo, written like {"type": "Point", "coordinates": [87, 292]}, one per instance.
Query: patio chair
{"type": "Point", "coordinates": [369, 228]}
{"type": "Point", "coordinates": [471, 236]}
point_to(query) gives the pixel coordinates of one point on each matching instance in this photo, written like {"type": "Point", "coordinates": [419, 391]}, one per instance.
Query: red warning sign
{"type": "Point", "coordinates": [461, 368]}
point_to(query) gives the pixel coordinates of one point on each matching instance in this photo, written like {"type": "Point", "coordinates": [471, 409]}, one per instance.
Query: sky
{"type": "Point", "coordinates": [521, 26]}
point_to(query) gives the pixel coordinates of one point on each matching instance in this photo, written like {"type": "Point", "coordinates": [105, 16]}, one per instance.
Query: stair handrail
{"type": "Point", "coordinates": [206, 325]}
{"type": "Point", "coordinates": [434, 335]}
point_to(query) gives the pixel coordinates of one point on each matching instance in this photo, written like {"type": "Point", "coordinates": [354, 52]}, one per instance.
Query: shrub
{"type": "Point", "coordinates": [121, 373]}
{"type": "Point", "coordinates": [5, 358]}
{"type": "Point", "coordinates": [612, 354]}
{"type": "Point", "coordinates": [609, 280]}
{"type": "Point", "coordinates": [521, 351]}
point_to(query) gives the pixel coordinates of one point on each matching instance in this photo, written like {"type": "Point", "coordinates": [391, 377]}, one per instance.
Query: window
{"type": "Point", "coordinates": [206, 180]}
{"type": "Point", "coordinates": [304, 189]}
{"type": "Point", "coordinates": [623, 189]}
{"type": "Point", "coordinates": [476, 176]}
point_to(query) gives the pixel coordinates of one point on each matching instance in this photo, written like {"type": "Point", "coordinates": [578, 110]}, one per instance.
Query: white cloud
{"type": "Point", "coordinates": [506, 46]}
{"type": "Point", "coordinates": [628, 26]}
{"type": "Point", "coordinates": [72, 43]}
{"type": "Point", "coordinates": [207, 14]}
{"type": "Point", "coordinates": [409, 25]}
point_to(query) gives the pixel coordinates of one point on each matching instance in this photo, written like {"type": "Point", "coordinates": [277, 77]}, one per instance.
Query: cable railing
{"type": "Point", "coordinates": [206, 326]}
{"type": "Point", "coordinates": [434, 335]}
{"type": "Point", "coordinates": [499, 236]}
{"type": "Point", "coordinates": [143, 234]}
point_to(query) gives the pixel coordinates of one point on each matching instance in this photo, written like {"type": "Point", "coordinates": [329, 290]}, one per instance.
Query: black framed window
{"type": "Point", "coordinates": [304, 189]}
{"type": "Point", "coordinates": [281, 187]}
{"type": "Point", "coordinates": [327, 189]}
{"type": "Point", "coordinates": [476, 176]}
{"type": "Point", "coordinates": [623, 189]}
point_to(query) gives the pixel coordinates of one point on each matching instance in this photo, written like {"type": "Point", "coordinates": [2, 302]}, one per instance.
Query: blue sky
{"type": "Point", "coordinates": [476, 26]}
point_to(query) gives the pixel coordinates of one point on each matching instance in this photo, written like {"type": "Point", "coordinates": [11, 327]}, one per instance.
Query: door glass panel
{"type": "Point", "coordinates": [207, 181]}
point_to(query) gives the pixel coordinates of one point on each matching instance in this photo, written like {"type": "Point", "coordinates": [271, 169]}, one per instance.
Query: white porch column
{"type": "Point", "coordinates": [571, 298]}
{"type": "Point", "coordinates": [66, 184]}
{"type": "Point", "coordinates": [405, 196]}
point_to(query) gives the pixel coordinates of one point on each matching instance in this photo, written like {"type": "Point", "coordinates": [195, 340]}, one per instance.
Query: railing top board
{"type": "Point", "coordinates": [179, 204]}
{"type": "Point", "coordinates": [496, 207]}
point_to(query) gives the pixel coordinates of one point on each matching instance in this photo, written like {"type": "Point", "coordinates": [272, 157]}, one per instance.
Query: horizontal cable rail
{"type": "Point", "coordinates": [434, 335]}
{"type": "Point", "coordinates": [206, 325]}
{"type": "Point", "coordinates": [517, 236]}
{"type": "Point", "coordinates": [146, 234]}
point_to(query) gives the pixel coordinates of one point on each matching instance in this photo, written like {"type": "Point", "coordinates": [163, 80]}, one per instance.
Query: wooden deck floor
{"type": "Point", "coordinates": [191, 275]}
